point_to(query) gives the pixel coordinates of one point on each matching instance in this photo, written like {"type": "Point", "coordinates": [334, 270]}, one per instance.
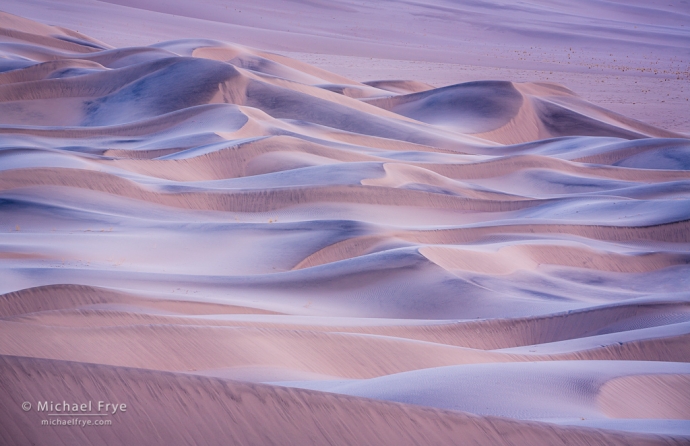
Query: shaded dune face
{"type": "Point", "coordinates": [304, 256]}
{"type": "Point", "coordinates": [510, 113]}
{"type": "Point", "coordinates": [150, 95]}
{"type": "Point", "coordinates": [472, 107]}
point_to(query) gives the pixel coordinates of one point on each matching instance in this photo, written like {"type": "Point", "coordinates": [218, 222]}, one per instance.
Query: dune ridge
{"type": "Point", "coordinates": [271, 251]}
{"type": "Point", "coordinates": [264, 414]}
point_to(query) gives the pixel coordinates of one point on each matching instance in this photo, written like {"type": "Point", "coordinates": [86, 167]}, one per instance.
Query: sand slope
{"type": "Point", "coordinates": [204, 227]}
{"type": "Point", "coordinates": [202, 410]}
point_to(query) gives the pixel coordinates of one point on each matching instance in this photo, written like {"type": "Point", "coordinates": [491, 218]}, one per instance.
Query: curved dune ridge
{"type": "Point", "coordinates": [246, 249]}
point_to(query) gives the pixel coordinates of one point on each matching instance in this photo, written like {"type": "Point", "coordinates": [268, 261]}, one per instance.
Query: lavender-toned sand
{"type": "Point", "coordinates": [247, 249]}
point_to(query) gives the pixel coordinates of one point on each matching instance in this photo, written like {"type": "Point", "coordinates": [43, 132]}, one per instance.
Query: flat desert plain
{"type": "Point", "coordinates": [344, 223]}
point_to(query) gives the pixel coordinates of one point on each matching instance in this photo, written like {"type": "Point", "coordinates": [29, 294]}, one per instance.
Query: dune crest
{"type": "Point", "coordinates": [268, 250]}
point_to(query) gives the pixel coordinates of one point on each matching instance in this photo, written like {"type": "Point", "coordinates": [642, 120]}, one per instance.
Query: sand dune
{"type": "Point", "coordinates": [210, 411]}
{"type": "Point", "coordinates": [202, 230]}
{"type": "Point", "coordinates": [506, 113]}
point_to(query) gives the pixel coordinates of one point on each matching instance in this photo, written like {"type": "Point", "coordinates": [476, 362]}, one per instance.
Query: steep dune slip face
{"type": "Point", "coordinates": [244, 249]}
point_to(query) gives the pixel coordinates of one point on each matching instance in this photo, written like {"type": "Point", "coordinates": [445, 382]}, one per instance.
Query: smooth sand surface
{"type": "Point", "coordinates": [248, 249]}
